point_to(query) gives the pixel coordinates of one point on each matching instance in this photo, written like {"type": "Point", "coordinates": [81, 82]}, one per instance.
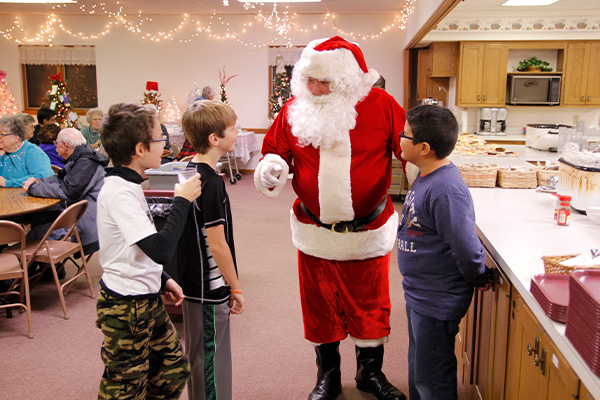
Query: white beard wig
{"type": "Point", "coordinates": [322, 121]}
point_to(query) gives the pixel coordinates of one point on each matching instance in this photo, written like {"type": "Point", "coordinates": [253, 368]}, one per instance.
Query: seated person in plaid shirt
{"type": "Point", "coordinates": [186, 150]}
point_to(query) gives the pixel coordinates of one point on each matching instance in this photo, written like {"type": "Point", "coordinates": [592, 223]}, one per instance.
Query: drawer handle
{"type": "Point", "coordinates": [582, 98]}
{"type": "Point", "coordinates": [589, 98]}
{"type": "Point", "coordinates": [478, 97]}
{"type": "Point", "coordinates": [484, 97]}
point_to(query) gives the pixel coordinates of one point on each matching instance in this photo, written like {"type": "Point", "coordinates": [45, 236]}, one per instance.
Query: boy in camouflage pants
{"type": "Point", "coordinates": [142, 354]}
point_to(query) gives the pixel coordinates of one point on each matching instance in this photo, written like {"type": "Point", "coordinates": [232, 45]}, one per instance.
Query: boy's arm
{"type": "Point", "coordinates": [222, 255]}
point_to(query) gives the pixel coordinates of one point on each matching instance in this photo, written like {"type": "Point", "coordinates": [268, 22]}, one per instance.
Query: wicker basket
{"type": "Point", "coordinates": [544, 174]}
{"type": "Point", "coordinates": [479, 176]}
{"type": "Point", "coordinates": [552, 264]}
{"type": "Point", "coordinates": [518, 179]}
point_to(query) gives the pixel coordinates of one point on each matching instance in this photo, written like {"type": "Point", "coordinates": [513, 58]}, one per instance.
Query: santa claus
{"type": "Point", "coordinates": [337, 136]}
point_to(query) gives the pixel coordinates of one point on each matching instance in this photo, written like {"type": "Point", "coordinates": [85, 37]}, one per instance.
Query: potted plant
{"type": "Point", "coordinates": [534, 64]}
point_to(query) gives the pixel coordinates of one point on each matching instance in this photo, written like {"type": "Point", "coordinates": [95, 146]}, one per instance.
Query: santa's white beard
{"type": "Point", "coordinates": [322, 121]}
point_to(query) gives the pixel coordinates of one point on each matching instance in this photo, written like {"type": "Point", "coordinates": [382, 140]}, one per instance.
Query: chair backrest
{"type": "Point", "coordinates": [56, 169]}
{"type": "Point", "coordinates": [186, 158]}
{"type": "Point", "coordinates": [11, 232]}
{"type": "Point", "coordinates": [175, 149]}
{"type": "Point", "coordinates": [68, 219]}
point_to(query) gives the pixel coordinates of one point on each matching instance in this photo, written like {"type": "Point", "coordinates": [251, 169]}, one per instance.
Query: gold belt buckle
{"type": "Point", "coordinates": [333, 228]}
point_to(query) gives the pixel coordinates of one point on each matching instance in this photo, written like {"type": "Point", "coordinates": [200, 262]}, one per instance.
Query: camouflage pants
{"type": "Point", "coordinates": [143, 358]}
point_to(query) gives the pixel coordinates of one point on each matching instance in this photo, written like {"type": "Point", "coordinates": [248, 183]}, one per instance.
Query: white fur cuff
{"type": "Point", "coordinates": [268, 159]}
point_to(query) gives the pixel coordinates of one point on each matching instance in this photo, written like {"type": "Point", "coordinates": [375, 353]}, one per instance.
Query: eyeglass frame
{"type": "Point", "coordinates": [414, 140]}
{"type": "Point", "coordinates": [8, 134]}
{"type": "Point", "coordinates": [164, 138]}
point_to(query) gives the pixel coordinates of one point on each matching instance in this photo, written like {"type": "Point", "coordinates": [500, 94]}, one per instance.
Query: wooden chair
{"type": "Point", "coordinates": [186, 158]}
{"type": "Point", "coordinates": [54, 253]}
{"type": "Point", "coordinates": [175, 150]}
{"type": "Point", "coordinates": [14, 267]}
{"type": "Point", "coordinates": [56, 169]}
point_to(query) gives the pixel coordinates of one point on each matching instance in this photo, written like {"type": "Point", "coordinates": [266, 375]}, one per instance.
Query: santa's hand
{"type": "Point", "coordinates": [269, 176]}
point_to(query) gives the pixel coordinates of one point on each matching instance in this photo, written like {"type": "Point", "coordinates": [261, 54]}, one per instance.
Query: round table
{"type": "Point", "coordinates": [15, 202]}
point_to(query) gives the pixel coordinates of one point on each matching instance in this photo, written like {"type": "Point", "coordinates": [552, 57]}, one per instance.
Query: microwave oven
{"type": "Point", "coordinates": [533, 90]}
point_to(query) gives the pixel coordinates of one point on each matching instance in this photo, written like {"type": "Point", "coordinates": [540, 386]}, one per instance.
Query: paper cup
{"type": "Point", "coordinates": [184, 174]}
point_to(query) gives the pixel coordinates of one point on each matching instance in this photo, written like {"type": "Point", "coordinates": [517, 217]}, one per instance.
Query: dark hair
{"type": "Point", "coordinates": [44, 113]}
{"type": "Point", "coordinates": [203, 118]}
{"type": "Point", "coordinates": [380, 82]}
{"type": "Point", "coordinates": [435, 125]}
{"type": "Point", "coordinates": [48, 133]}
{"type": "Point", "coordinates": [123, 127]}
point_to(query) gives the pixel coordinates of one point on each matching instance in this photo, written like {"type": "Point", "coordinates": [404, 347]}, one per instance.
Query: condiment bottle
{"type": "Point", "coordinates": [557, 200]}
{"type": "Point", "coordinates": [564, 213]}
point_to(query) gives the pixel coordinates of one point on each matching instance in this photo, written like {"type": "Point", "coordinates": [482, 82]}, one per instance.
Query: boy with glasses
{"type": "Point", "coordinates": [439, 254]}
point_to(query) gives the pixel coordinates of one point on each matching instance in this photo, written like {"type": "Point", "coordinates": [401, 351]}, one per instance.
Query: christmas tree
{"type": "Point", "coordinates": [8, 104]}
{"type": "Point", "coordinates": [222, 90]}
{"type": "Point", "coordinates": [281, 93]}
{"type": "Point", "coordinates": [172, 114]}
{"type": "Point", "coordinates": [151, 95]}
{"type": "Point", "coordinates": [58, 98]}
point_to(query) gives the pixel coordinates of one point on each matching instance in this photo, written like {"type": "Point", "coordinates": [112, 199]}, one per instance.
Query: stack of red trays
{"type": "Point", "coordinates": [552, 293]}
{"type": "Point", "coordinates": [583, 320]}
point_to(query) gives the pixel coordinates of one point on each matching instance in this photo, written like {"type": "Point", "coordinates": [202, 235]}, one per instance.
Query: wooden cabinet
{"type": "Point", "coordinates": [482, 74]}
{"type": "Point", "coordinates": [434, 65]}
{"type": "Point", "coordinates": [535, 368]}
{"type": "Point", "coordinates": [581, 85]}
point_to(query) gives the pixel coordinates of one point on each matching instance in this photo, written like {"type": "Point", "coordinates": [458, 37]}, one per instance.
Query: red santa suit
{"type": "Point", "coordinates": [344, 277]}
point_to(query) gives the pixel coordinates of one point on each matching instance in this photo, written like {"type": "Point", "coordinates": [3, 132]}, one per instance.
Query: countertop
{"type": "Point", "coordinates": [524, 154]}
{"type": "Point", "coordinates": [517, 228]}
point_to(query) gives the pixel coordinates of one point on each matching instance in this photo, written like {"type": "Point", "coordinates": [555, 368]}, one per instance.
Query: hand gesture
{"type": "Point", "coordinates": [173, 292]}
{"type": "Point", "coordinates": [269, 176]}
{"type": "Point", "coordinates": [190, 190]}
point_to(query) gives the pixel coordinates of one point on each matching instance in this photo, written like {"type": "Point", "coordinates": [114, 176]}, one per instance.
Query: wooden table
{"type": "Point", "coordinates": [15, 202]}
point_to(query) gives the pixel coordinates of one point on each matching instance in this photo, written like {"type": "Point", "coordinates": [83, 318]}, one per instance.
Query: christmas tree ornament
{"type": "Point", "coordinates": [8, 104]}
{"type": "Point", "coordinates": [58, 97]}
{"type": "Point", "coordinates": [222, 91]}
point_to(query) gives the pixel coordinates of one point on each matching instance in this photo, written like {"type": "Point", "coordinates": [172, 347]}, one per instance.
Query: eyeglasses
{"type": "Point", "coordinates": [7, 134]}
{"type": "Point", "coordinates": [415, 140]}
{"type": "Point", "coordinates": [162, 139]}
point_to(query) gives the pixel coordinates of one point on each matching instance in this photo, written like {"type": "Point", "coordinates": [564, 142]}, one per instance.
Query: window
{"type": "Point", "coordinates": [75, 63]}
{"type": "Point", "coordinates": [281, 65]}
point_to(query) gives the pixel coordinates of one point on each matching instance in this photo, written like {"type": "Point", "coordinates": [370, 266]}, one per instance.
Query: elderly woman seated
{"type": "Point", "coordinates": [91, 133]}
{"type": "Point", "coordinates": [21, 160]}
{"type": "Point", "coordinates": [47, 137]}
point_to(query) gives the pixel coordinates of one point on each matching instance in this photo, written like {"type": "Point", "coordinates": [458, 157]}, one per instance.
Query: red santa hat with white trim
{"type": "Point", "coordinates": [326, 59]}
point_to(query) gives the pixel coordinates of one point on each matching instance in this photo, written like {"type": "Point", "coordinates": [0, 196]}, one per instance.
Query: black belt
{"type": "Point", "coordinates": [357, 224]}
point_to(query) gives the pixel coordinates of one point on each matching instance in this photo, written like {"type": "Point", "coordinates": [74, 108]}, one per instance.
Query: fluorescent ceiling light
{"type": "Point", "coordinates": [37, 1]}
{"type": "Point", "coordinates": [280, 1]}
{"type": "Point", "coordinates": [529, 3]}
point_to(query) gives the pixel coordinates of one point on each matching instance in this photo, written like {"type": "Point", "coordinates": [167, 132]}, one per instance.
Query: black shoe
{"type": "Point", "coordinates": [369, 377]}
{"type": "Point", "coordinates": [329, 376]}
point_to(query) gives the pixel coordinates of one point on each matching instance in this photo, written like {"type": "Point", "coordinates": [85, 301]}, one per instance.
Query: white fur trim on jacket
{"type": "Point", "coordinates": [271, 158]}
{"type": "Point", "coordinates": [323, 243]}
{"type": "Point", "coordinates": [335, 193]}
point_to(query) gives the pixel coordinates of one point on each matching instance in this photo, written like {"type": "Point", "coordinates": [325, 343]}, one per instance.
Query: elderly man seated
{"type": "Point", "coordinates": [81, 179]}
{"type": "Point", "coordinates": [21, 160]}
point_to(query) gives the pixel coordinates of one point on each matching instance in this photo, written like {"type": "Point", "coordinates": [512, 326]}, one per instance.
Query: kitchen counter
{"type": "Point", "coordinates": [524, 154]}
{"type": "Point", "coordinates": [517, 228]}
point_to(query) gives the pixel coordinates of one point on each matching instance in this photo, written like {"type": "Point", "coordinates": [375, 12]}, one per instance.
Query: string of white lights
{"type": "Point", "coordinates": [281, 22]}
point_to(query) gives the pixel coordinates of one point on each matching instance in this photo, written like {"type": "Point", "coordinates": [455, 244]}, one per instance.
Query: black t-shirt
{"type": "Point", "coordinates": [199, 275]}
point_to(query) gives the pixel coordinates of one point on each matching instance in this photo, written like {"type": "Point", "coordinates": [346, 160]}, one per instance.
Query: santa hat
{"type": "Point", "coordinates": [325, 59]}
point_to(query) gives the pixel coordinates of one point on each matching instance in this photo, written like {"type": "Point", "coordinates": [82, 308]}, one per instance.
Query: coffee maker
{"type": "Point", "coordinates": [492, 121]}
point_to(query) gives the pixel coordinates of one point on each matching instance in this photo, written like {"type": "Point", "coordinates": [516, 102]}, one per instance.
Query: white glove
{"type": "Point", "coordinates": [269, 175]}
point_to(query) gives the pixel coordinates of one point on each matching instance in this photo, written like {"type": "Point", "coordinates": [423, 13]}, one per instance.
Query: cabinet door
{"type": "Point", "coordinates": [593, 78]}
{"type": "Point", "coordinates": [584, 394]}
{"type": "Point", "coordinates": [563, 383]}
{"type": "Point", "coordinates": [513, 355]}
{"type": "Point", "coordinates": [444, 59]}
{"type": "Point", "coordinates": [575, 75]}
{"type": "Point", "coordinates": [470, 74]}
{"type": "Point", "coordinates": [494, 74]}
{"type": "Point", "coordinates": [532, 383]}
{"type": "Point", "coordinates": [500, 342]}
{"type": "Point", "coordinates": [423, 72]}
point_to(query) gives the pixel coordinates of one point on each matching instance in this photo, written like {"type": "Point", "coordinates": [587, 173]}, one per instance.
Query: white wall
{"type": "Point", "coordinates": [124, 61]}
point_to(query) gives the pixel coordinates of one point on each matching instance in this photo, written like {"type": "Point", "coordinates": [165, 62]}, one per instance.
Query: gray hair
{"type": "Point", "coordinates": [26, 118]}
{"type": "Point", "coordinates": [208, 92]}
{"type": "Point", "coordinates": [91, 112]}
{"type": "Point", "coordinates": [14, 125]}
{"type": "Point", "coordinates": [72, 137]}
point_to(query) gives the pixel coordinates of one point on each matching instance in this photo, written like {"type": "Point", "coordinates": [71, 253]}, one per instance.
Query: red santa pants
{"type": "Point", "coordinates": [341, 298]}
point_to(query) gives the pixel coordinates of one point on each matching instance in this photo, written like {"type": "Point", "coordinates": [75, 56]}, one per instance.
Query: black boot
{"type": "Point", "coordinates": [369, 377]}
{"type": "Point", "coordinates": [329, 376]}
